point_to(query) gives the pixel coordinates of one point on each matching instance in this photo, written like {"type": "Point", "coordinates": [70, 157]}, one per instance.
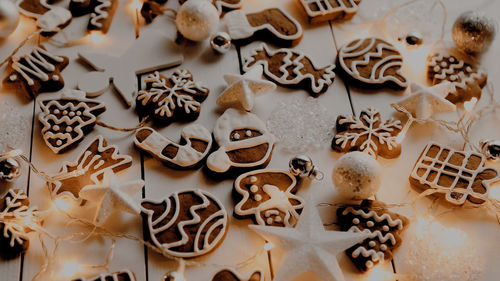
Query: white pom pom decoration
{"type": "Point", "coordinates": [356, 175]}
{"type": "Point", "coordinates": [197, 19]}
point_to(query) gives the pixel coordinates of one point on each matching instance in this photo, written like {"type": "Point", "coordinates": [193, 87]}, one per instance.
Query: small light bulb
{"type": "Point", "coordinates": [268, 246]}
{"type": "Point", "coordinates": [469, 105]}
{"type": "Point", "coordinates": [61, 204]}
{"type": "Point", "coordinates": [70, 269]}
{"type": "Point", "coordinates": [96, 37]}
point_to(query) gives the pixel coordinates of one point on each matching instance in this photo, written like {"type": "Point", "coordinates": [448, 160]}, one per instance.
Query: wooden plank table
{"type": "Point", "coordinates": [321, 42]}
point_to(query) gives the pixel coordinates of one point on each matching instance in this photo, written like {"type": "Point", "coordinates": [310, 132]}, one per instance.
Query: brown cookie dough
{"type": "Point", "coordinates": [384, 227]}
{"type": "Point", "coordinates": [36, 72]}
{"type": "Point", "coordinates": [186, 224]}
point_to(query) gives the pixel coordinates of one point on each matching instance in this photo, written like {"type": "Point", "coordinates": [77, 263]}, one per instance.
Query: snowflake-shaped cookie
{"type": "Point", "coordinates": [367, 134]}
{"type": "Point", "coordinates": [14, 213]}
{"type": "Point", "coordinates": [167, 99]}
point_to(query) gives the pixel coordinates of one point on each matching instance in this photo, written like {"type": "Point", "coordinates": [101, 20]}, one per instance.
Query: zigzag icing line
{"type": "Point", "coordinates": [375, 216]}
{"type": "Point", "coordinates": [375, 256]}
{"type": "Point", "coordinates": [377, 233]}
{"type": "Point", "coordinates": [196, 219]}
{"type": "Point", "coordinates": [100, 13]}
{"type": "Point", "coordinates": [32, 62]}
{"type": "Point", "coordinates": [477, 75]}
{"type": "Point", "coordinates": [327, 76]}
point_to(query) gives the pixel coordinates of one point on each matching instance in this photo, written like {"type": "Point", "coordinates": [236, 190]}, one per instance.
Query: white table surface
{"type": "Point", "coordinates": [321, 43]}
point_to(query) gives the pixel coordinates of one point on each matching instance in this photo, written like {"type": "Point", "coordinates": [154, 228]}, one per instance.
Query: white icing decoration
{"type": "Point", "coordinates": [377, 75]}
{"type": "Point", "coordinates": [369, 264]}
{"type": "Point", "coordinates": [465, 79]}
{"type": "Point", "coordinates": [239, 27]}
{"type": "Point", "coordinates": [258, 197]}
{"type": "Point", "coordinates": [383, 247]}
{"type": "Point", "coordinates": [174, 96]}
{"type": "Point", "coordinates": [248, 133]}
{"type": "Point", "coordinates": [278, 203]}
{"type": "Point", "coordinates": [52, 20]}
{"type": "Point", "coordinates": [123, 70]}
{"type": "Point", "coordinates": [370, 224]}
{"type": "Point", "coordinates": [231, 120]}
{"type": "Point", "coordinates": [355, 220]}
{"type": "Point", "coordinates": [100, 13]}
{"type": "Point", "coordinates": [236, 136]}
{"type": "Point", "coordinates": [445, 168]}
{"type": "Point", "coordinates": [324, 9]}
{"type": "Point", "coordinates": [372, 244]}
{"type": "Point", "coordinates": [76, 124]}
{"type": "Point", "coordinates": [13, 215]}
{"type": "Point", "coordinates": [36, 65]}
{"type": "Point", "coordinates": [385, 228]}
{"type": "Point", "coordinates": [84, 164]}
{"type": "Point", "coordinates": [253, 179]}
{"type": "Point", "coordinates": [158, 226]}
{"type": "Point", "coordinates": [366, 126]}
{"type": "Point", "coordinates": [373, 215]}
{"type": "Point", "coordinates": [186, 156]}
{"type": "Point", "coordinates": [316, 85]}
{"type": "Point", "coordinates": [254, 188]}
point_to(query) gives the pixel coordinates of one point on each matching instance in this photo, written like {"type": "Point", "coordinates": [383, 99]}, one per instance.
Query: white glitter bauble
{"type": "Point", "coordinates": [356, 175]}
{"type": "Point", "coordinates": [9, 18]}
{"type": "Point", "coordinates": [197, 19]}
{"type": "Point", "coordinates": [473, 32]}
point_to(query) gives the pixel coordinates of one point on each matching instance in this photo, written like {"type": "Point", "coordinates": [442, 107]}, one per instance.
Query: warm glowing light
{"type": "Point", "coordinates": [61, 204]}
{"type": "Point", "coordinates": [379, 274]}
{"type": "Point", "coordinates": [268, 246]}
{"type": "Point", "coordinates": [469, 105]}
{"type": "Point", "coordinates": [448, 239]}
{"type": "Point", "coordinates": [70, 269]}
{"type": "Point", "coordinates": [400, 137]}
{"type": "Point", "coordinates": [135, 5]}
{"type": "Point", "coordinates": [495, 192]}
{"type": "Point", "coordinates": [96, 37]}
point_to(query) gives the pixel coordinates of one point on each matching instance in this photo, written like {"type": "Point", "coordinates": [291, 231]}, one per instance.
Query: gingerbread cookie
{"type": "Point", "coordinates": [67, 120]}
{"type": "Point", "coordinates": [324, 10]}
{"type": "Point", "coordinates": [123, 275]}
{"type": "Point", "coordinates": [368, 134]}
{"type": "Point", "coordinates": [384, 227]}
{"type": "Point", "coordinates": [269, 197]}
{"type": "Point", "coordinates": [230, 275]}
{"type": "Point", "coordinates": [36, 72]}
{"type": "Point", "coordinates": [186, 224]}
{"type": "Point", "coordinates": [151, 9]}
{"type": "Point", "coordinates": [88, 168]}
{"type": "Point", "coordinates": [195, 144]}
{"type": "Point", "coordinates": [167, 99]}
{"type": "Point", "coordinates": [291, 69]}
{"type": "Point", "coordinates": [461, 175]}
{"type": "Point", "coordinates": [244, 142]}
{"type": "Point", "coordinates": [272, 24]}
{"type": "Point", "coordinates": [49, 18]}
{"type": "Point", "coordinates": [466, 79]}
{"type": "Point", "coordinates": [122, 71]}
{"type": "Point", "coordinates": [14, 238]}
{"type": "Point", "coordinates": [372, 62]}
{"type": "Point", "coordinates": [101, 12]}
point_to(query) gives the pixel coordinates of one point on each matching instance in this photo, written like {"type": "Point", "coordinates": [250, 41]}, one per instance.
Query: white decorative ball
{"type": "Point", "coordinates": [356, 175]}
{"type": "Point", "coordinates": [197, 19]}
{"type": "Point", "coordinates": [9, 18]}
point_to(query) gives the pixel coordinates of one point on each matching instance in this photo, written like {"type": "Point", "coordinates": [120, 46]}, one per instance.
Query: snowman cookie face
{"type": "Point", "coordinates": [244, 142]}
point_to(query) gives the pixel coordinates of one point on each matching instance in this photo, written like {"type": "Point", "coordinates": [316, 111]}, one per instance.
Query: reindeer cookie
{"type": "Point", "coordinates": [268, 196]}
